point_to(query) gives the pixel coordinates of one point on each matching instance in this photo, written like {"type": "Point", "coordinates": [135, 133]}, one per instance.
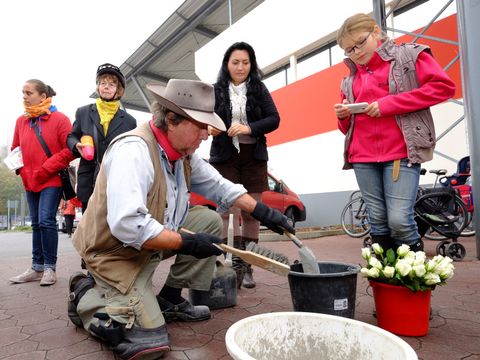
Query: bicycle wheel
{"type": "Point", "coordinates": [459, 209]}
{"type": "Point", "coordinates": [470, 228]}
{"type": "Point", "coordinates": [354, 218]}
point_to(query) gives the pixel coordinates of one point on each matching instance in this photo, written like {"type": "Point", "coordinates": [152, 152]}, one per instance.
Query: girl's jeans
{"type": "Point", "coordinates": [390, 203]}
{"type": "Point", "coordinates": [43, 209]}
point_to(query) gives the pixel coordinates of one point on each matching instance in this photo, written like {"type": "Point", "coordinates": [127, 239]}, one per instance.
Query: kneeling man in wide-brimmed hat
{"type": "Point", "coordinates": [134, 220]}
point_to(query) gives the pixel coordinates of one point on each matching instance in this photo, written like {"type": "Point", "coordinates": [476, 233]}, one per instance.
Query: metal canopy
{"type": "Point", "coordinates": [169, 52]}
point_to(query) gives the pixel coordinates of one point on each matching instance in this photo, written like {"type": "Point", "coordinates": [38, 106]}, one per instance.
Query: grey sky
{"type": "Point", "coordinates": [63, 42]}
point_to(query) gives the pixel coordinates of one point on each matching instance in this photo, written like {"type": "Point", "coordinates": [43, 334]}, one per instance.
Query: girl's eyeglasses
{"type": "Point", "coordinates": [351, 50]}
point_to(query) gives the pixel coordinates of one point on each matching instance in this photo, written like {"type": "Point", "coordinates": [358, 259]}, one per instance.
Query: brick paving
{"type": "Point", "coordinates": [34, 323]}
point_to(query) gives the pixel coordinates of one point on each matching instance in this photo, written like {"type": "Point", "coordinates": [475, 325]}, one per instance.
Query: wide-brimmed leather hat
{"type": "Point", "coordinates": [190, 98]}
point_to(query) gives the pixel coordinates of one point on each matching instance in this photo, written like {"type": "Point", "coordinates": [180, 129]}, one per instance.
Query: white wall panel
{"type": "Point", "coordinates": [314, 164]}
{"type": "Point", "coordinates": [276, 29]}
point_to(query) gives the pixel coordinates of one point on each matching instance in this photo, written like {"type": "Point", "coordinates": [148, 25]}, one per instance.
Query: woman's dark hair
{"type": "Point", "coordinates": [255, 75]}
{"type": "Point", "coordinates": [42, 88]}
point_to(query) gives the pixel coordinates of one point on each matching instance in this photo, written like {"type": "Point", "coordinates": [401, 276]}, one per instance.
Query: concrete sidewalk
{"type": "Point", "coordinates": [34, 323]}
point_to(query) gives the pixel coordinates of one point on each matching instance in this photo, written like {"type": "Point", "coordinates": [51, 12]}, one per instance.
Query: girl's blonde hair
{"type": "Point", "coordinates": [353, 24]}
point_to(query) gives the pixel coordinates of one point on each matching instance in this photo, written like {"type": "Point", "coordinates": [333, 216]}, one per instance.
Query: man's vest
{"type": "Point", "coordinates": [105, 255]}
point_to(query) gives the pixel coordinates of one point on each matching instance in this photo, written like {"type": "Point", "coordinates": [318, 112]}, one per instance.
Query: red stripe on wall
{"type": "Point", "coordinates": [306, 106]}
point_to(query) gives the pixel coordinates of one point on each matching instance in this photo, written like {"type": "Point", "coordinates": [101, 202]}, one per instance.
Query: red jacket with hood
{"type": "Point", "coordinates": [39, 171]}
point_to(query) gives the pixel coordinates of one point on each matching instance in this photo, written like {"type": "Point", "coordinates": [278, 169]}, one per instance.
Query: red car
{"type": "Point", "coordinates": [279, 197]}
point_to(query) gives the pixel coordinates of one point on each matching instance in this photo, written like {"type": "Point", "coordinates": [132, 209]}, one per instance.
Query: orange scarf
{"type": "Point", "coordinates": [34, 111]}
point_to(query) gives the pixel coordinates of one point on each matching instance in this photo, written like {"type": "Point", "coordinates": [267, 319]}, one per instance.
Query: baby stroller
{"type": "Point", "coordinates": [461, 176]}
{"type": "Point", "coordinates": [442, 210]}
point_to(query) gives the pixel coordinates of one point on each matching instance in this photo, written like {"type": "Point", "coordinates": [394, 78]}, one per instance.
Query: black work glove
{"type": "Point", "coordinates": [200, 245]}
{"type": "Point", "coordinates": [273, 219]}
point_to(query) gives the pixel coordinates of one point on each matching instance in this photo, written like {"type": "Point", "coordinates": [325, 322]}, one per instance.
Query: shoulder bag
{"type": "Point", "coordinates": [68, 191]}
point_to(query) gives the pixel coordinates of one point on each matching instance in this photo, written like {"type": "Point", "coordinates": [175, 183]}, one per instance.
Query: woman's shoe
{"type": "Point", "coordinates": [27, 276]}
{"type": "Point", "coordinates": [49, 277]}
{"type": "Point", "coordinates": [248, 281]}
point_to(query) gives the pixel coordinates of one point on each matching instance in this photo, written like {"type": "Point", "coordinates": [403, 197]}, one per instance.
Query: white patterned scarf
{"type": "Point", "coordinates": [238, 102]}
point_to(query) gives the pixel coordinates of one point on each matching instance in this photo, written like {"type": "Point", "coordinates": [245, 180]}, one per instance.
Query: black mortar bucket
{"type": "Point", "coordinates": [333, 291]}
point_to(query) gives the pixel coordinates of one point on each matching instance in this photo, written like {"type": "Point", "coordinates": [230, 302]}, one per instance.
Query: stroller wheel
{"type": "Point", "coordinates": [442, 245]}
{"type": "Point", "coordinates": [455, 251]}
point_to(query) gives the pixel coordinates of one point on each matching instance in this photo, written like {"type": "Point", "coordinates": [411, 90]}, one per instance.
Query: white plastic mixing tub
{"type": "Point", "coordinates": [308, 336]}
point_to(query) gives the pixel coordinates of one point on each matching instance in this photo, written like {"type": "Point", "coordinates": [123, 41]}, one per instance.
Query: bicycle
{"type": "Point", "coordinates": [354, 218]}
{"type": "Point", "coordinates": [455, 217]}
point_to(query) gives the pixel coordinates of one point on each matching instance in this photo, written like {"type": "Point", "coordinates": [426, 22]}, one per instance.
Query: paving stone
{"type": "Point", "coordinates": [18, 304]}
{"type": "Point", "coordinates": [38, 328]}
{"type": "Point", "coordinates": [33, 318]}
{"type": "Point", "coordinates": [4, 317]}
{"type": "Point", "coordinates": [469, 298]}
{"type": "Point", "coordinates": [221, 334]}
{"type": "Point", "coordinates": [440, 350]}
{"type": "Point", "coordinates": [175, 355]}
{"type": "Point", "coordinates": [34, 323]}
{"type": "Point", "coordinates": [88, 346]}
{"type": "Point", "coordinates": [7, 323]}
{"type": "Point", "coordinates": [24, 346]}
{"type": "Point", "coordinates": [264, 308]}
{"type": "Point", "coordinates": [33, 355]}
{"type": "Point", "coordinates": [443, 348]}
{"type": "Point", "coordinates": [215, 350]}
{"type": "Point", "coordinates": [211, 327]}
{"type": "Point", "coordinates": [186, 339]}
{"type": "Point", "coordinates": [59, 337]}
{"type": "Point", "coordinates": [98, 355]}
{"type": "Point", "coordinates": [233, 314]}
{"type": "Point", "coordinates": [11, 335]}
{"type": "Point", "coordinates": [463, 327]}
{"type": "Point", "coordinates": [459, 314]}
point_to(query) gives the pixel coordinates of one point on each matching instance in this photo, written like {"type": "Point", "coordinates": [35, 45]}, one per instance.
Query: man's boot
{"type": "Point", "coordinates": [78, 284]}
{"type": "Point", "coordinates": [184, 311]}
{"type": "Point", "coordinates": [248, 281]}
{"type": "Point", "coordinates": [139, 343]}
{"type": "Point", "coordinates": [131, 343]}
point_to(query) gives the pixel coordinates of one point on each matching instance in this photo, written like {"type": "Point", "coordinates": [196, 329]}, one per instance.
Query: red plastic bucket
{"type": "Point", "coordinates": [400, 310]}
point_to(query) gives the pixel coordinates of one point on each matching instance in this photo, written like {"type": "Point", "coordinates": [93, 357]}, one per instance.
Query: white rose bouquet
{"type": "Point", "coordinates": [406, 268]}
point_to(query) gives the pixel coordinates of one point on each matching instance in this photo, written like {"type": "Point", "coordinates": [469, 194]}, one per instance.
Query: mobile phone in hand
{"type": "Point", "coordinates": [357, 108]}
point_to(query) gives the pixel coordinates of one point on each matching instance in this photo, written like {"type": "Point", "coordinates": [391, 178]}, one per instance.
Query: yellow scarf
{"type": "Point", "coordinates": [34, 111]}
{"type": "Point", "coordinates": [107, 110]}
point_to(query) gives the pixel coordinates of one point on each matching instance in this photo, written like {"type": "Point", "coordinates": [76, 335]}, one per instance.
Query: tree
{"type": "Point", "coordinates": [11, 187]}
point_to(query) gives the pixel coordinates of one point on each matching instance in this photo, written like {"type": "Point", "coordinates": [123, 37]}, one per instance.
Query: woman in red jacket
{"type": "Point", "coordinates": [39, 174]}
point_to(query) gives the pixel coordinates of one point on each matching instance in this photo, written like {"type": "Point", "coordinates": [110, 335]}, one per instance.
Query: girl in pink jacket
{"type": "Point", "coordinates": [387, 140]}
